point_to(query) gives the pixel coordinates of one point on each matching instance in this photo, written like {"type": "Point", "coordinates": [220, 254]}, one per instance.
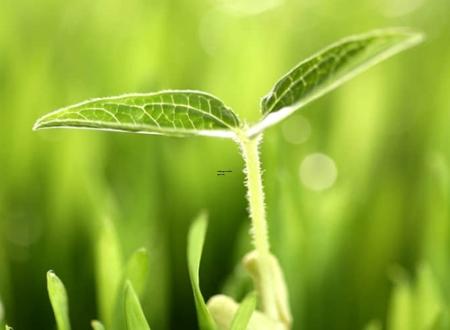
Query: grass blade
{"type": "Point", "coordinates": [244, 313]}
{"type": "Point", "coordinates": [174, 113]}
{"type": "Point", "coordinates": [196, 240]}
{"type": "Point", "coordinates": [2, 312]}
{"type": "Point", "coordinates": [133, 311]}
{"type": "Point", "coordinates": [58, 298]}
{"type": "Point", "coordinates": [224, 310]}
{"type": "Point", "coordinates": [97, 325]}
{"type": "Point", "coordinates": [137, 270]}
{"type": "Point", "coordinates": [109, 267]}
{"type": "Point", "coordinates": [330, 68]}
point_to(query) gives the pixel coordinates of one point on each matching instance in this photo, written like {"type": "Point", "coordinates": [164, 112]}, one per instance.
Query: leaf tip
{"type": "Point", "coordinates": [128, 287]}
{"type": "Point", "coordinates": [55, 285]}
{"type": "Point", "coordinates": [37, 125]}
{"type": "Point", "coordinates": [413, 36]}
{"type": "Point", "coordinates": [97, 325]}
{"type": "Point", "coordinates": [410, 37]}
{"type": "Point", "coordinates": [51, 275]}
{"type": "Point", "coordinates": [41, 123]}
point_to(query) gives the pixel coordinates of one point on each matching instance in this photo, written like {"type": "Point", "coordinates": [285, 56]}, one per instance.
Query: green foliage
{"type": "Point", "coordinates": [134, 315]}
{"type": "Point", "coordinates": [387, 132]}
{"type": "Point", "coordinates": [180, 113]}
{"type": "Point", "coordinates": [224, 310]}
{"type": "Point", "coordinates": [175, 113]}
{"type": "Point", "coordinates": [109, 268]}
{"type": "Point", "coordinates": [418, 305]}
{"type": "Point", "coordinates": [126, 299]}
{"type": "Point", "coordinates": [58, 298]}
{"type": "Point", "coordinates": [135, 273]}
{"type": "Point", "coordinates": [137, 270]}
{"type": "Point", "coordinates": [331, 67]}
{"type": "Point", "coordinates": [112, 274]}
{"type": "Point", "coordinates": [196, 239]}
{"type": "Point", "coordinates": [244, 313]}
{"type": "Point", "coordinates": [97, 325]}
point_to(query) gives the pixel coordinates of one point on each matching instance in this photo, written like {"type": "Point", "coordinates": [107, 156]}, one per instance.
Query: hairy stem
{"type": "Point", "coordinates": [259, 230]}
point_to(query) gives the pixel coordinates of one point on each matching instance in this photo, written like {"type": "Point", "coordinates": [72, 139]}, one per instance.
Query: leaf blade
{"type": "Point", "coordinates": [137, 269]}
{"type": "Point", "coordinates": [244, 313]}
{"type": "Point", "coordinates": [330, 68]}
{"type": "Point", "coordinates": [171, 112]}
{"type": "Point", "coordinates": [97, 325]}
{"type": "Point", "coordinates": [135, 272]}
{"type": "Point", "coordinates": [108, 269]}
{"type": "Point", "coordinates": [59, 301]}
{"type": "Point", "coordinates": [133, 311]}
{"type": "Point", "coordinates": [196, 239]}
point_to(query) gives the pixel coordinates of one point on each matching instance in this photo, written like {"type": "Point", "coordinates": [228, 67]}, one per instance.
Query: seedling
{"type": "Point", "coordinates": [185, 113]}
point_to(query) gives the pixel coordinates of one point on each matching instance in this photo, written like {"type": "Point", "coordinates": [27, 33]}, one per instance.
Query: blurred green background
{"type": "Point", "coordinates": [370, 248]}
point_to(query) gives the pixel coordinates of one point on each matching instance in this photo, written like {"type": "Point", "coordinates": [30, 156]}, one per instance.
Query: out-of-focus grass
{"type": "Point", "coordinates": [387, 132]}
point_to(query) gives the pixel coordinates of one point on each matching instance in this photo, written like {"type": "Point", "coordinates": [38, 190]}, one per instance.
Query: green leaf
{"type": "Point", "coordinates": [174, 113]}
{"type": "Point", "coordinates": [7, 327]}
{"type": "Point", "coordinates": [244, 313]}
{"type": "Point", "coordinates": [330, 68]}
{"type": "Point", "coordinates": [109, 269]}
{"type": "Point", "coordinates": [133, 311]}
{"type": "Point", "coordinates": [196, 239]}
{"type": "Point", "coordinates": [58, 298]}
{"type": "Point", "coordinates": [2, 312]}
{"type": "Point", "coordinates": [400, 314]}
{"type": "Point", "coordinates": [224, 309]}
{"type": "Point", "coordinates": [97, 325]}
{"type": "Point", "coordinates": [137, 270]}
{"type": "Point", "coordinates": [429, 301]}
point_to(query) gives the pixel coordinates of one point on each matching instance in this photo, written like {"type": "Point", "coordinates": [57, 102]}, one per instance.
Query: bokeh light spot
{"type": "Point", "coordinates": [296, 130]}
{"type": "Point", "coordinates": [318, 172]}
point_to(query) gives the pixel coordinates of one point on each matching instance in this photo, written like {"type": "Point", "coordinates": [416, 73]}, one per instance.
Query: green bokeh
{"type": "Point", "coordinates": [374, 246]}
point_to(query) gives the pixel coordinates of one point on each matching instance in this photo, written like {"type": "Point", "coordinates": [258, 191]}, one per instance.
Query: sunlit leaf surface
{"type": "Point", "coordinates": [97, 325]}
{"type": "Point", "coordinates": [331, 67]}
{"type": "Point", "coordinates": [244, 313]}
{"type": "Point", "coordinates": [134, 315]}
{"type": "Point", "coordinates": [196, 239]}
{"type": "Point", "coordinates": [175, 113]}
{"type": "Point", "coordinates": [59, 301]}
{"type": "Point", "coordinates": [137, 270]}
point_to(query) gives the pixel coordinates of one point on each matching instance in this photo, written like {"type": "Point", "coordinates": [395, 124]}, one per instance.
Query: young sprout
{"type": "Point", "coordinates": [187, 112]}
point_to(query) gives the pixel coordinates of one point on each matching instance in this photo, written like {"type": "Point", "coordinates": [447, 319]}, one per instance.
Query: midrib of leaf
{"type": "Point", "coordinates": [146, 113]}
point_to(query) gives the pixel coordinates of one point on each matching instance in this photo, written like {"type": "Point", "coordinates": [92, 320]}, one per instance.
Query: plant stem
{"type": "Point", "coordinates": [259, 230]}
